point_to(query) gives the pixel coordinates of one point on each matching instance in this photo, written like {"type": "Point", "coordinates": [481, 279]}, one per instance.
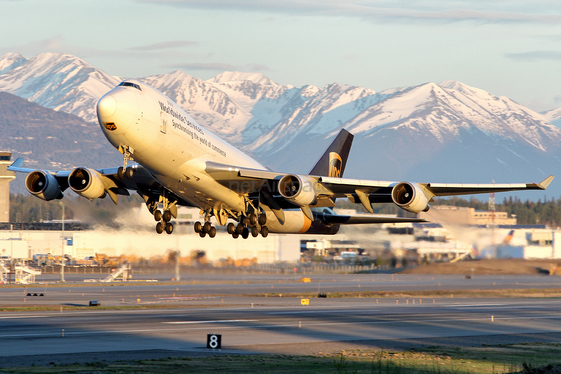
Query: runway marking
{"type": "Point", "coordinates": [475, 305]}
{"type": "Point", "coordinates": [22, 317]}
{"type": "Point", "coordinates": [220, 321]}
{"type": "Point", "coordinates": [351, 311]}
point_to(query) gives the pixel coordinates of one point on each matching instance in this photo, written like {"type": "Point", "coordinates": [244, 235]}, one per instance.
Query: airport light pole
{"type": "Point", "coordinates": [63, 239]}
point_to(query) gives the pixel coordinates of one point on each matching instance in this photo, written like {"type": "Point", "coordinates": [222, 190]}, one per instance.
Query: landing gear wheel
{"type": "Point", "coordinates": [202, 234]}
{"type": "Point", "coordinates": [235, 235]}
{"type": "Point", "coordinates": [262, 219]}
{"type": "Point", "coordinates": [245, 233]}
{"type": "Point", "coordinates": [169, 227]}
{"type": "Point", "coordinates": [198, 227]}
{"type": "Point", "coordinates": [159, 227]}
{"type": "Point", "coordinates": [167, 216]}
{"type": "Point", "coordinates": [206, 227]}
{"type": "Point", "coordinates": [239, 228]}
{"type": "Point", "coordinates": [121, 172]}
{"type": "Point", "coordinates": [264, 231]}
{"type": "Point", "coordinates": [254, 231]}
{"type": "Point", "coordinates": [252, 219]}
{"type": "Point", "coordinates": [231, 228]}
{"type": "Point", "coordinates": [129, 172]}
{"type": "Point", "coordinates": [212, 232]}
{"type": "Point", "coordinates": [158, 215]}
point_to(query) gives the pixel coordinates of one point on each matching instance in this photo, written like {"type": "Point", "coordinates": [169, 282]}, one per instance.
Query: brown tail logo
{"type": "Point", "coordinates": [335, 164]}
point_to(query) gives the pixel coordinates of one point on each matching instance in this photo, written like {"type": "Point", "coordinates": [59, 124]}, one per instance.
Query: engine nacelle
{"type": "Point", "coordinates": [298, 189]}
{"type": "Point", "coordinates": [87, 183]}
{"type": "Point", "coordinates": [43, 185]}
{"type": "Point", "coordinates": [410, 197]}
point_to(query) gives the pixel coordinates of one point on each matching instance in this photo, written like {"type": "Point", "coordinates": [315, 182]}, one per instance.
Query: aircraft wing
{"type": "Point", "coordinates": [413, 197]}
{"type": "Point", "coordinates": [141, 180]}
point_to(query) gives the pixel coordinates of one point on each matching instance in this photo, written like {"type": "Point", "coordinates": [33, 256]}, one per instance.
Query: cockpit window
{"type": "Point", "coordinates": [129, 84]}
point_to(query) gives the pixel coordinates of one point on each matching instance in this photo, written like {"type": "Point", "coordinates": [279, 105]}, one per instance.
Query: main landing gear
{"type": "Point", "coordinates": [253, 225]}
{"type": "Point", "coordinates": [163, 219]}
{"type": "Point", "coordinates": [164, 223]}
{"type": "Point", "coordinates": [204, 229]}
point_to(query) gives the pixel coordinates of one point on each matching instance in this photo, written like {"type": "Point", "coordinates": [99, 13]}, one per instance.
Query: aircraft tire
{"type": "Point", "coordinates": [264, 231]}
{"type": "Point", "coordinates": [254, 231]}
{"type": "Point", "coordinates": [262, 219]}
{"type": "Point", "coordinates": [159, 227]}
{"type": "Point", "coordinates": [206, 227]}
{"type": "Point", "coordinates": [245, 233]}
{"type": "Point", "coordinates": [158, 215]}
{"type": "Point", "coordinates": [167, 216]}
{"type": "Point", "coordinates": [198, 227]}
{"type": "Point", "coordinates": [129, 172]}
{"type": "Point", "coordinates": [235, 235]}
{"type": "Point", "coordinates": [202, 234]}
{"type": "Point", "coordinates": [212, 232]}
{"type": "Point", "coordinates": [169, 227]}
{"type": "Point", "coordinates": [239, 228]}
{"type": "Point", "coordinates": [121, 172]}
{"type": "Point", "coordinates": [231, 228]}
{"type": "Point", "coordinates": [252, 219]}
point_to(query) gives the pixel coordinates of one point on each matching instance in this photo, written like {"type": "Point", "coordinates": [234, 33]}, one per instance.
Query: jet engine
{"type": "Point", "coordinates": [298, 189]}
{"type": "Point", "coordinates": [43, 185]}
{"type": "Point", "coordinates": [87, 183]}
{"type": "Point", "coordinates": [410, 197]}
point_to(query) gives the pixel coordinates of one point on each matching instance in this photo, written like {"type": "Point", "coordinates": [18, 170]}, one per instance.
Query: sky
{"type": "Point", "coordinates": [507, 47]}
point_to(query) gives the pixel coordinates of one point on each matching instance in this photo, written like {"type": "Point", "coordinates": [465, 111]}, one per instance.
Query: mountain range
{"type": "Point", "coordinates": [447, 132]}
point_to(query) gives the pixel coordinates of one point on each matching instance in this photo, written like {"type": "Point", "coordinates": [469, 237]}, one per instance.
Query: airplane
{"type": "Point", "coordinates": [179, 162]}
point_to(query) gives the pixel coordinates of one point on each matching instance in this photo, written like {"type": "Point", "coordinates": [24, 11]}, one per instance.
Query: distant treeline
{"type": "Point", "coordinates": [527, 212]}
{"type": "Point", "coordinates": [27, 208]}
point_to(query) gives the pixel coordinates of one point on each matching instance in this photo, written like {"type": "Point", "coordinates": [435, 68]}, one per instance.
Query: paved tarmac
{"type": "Point", "coordinates": [273, 324]}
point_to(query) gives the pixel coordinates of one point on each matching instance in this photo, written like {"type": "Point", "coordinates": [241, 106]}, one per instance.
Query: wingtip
{"type": "Point", "coordinates": [18, 163]}
{"type": "Point", "coordinates": [543, 184]}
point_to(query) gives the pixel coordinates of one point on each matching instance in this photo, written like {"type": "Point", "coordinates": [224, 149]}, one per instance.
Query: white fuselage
{"type": "Point", "coordinates": [174, 148]}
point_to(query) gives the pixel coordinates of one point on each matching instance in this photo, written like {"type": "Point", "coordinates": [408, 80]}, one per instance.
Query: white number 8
{"type": "Point", "coordinates": [213, 341]}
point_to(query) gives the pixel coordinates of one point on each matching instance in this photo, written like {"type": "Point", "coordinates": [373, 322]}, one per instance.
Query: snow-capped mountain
{"type": "Point", "coordinates": [553, 116]}
{"type": "Point", "coordinates": [431, 132]}
{"type": "Point", "coordinates": [57, 81]}
{"type": "Point", "coordinates": [11, 61]}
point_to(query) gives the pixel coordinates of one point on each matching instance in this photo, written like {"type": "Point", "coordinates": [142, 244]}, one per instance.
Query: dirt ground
{"type": "Point", "coordinates": [490, 267]}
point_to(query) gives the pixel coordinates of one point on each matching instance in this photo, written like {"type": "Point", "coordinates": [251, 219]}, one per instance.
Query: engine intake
{"type": "Point", "coordinates": [43, 185]}
{"type": "Point", "coordinates": [298, 189]}
{"type": "Point", "coordinates": [410, 197]}
{"type": "Point", "coordinates": [87, 183]}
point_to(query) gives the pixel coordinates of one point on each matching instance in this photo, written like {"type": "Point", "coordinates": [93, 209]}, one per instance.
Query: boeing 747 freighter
{"type": "Point", "coordinates": [179, 162]}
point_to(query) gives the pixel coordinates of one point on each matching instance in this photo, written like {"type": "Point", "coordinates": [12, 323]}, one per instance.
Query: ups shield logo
{"type": "Point", "coordinates": [335, 164]}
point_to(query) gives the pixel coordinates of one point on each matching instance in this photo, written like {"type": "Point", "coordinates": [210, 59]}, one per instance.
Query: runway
{"type": "Point", "coordinates": [257, 324]}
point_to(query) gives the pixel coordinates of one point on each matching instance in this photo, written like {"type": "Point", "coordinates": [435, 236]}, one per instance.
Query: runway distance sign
{"type": "Point", "coordinates": [214, 341]}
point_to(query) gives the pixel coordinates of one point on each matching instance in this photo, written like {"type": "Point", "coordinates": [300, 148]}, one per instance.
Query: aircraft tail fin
{"type": "Point", "coordinates": [332, 163]}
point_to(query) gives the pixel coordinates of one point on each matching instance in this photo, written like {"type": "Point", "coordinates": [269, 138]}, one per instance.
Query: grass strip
{"type": "Point", "coordinates": [428, 360]}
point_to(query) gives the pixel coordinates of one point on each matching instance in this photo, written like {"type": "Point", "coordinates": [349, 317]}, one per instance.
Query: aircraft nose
{"type": "Point", "coordinates": [107, 106]}
{"type": "Point", "coordinates": [117, 110]}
